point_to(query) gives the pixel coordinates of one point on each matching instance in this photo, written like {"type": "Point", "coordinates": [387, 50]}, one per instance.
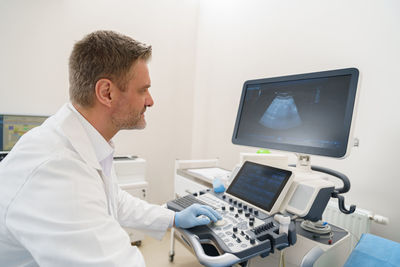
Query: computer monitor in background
{"type": "Point", "coordinates": [12, 127]}
{"type": "Point", "coordinates": [307, 113]}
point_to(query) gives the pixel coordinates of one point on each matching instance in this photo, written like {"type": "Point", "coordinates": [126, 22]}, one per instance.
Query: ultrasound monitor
{"type": "Point", "coordinates": [261, 186]}
{"type": "Point", "coordinates": [12, 127]}
{"type": "Point", "coordinates": [306, 113]}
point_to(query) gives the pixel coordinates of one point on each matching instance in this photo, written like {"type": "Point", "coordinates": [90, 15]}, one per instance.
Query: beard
{"type": "Point", "coordinates": [129, 121]}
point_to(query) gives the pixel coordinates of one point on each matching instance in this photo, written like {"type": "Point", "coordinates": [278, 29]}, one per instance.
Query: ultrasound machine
{"type": "Point", "coordinates": [308, 114]}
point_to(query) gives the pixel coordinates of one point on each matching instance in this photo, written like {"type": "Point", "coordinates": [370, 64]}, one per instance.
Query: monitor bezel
{"type": "Point", "coordinates": [349, 115]}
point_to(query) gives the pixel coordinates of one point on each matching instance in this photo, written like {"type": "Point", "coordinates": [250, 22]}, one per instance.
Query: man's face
{"type": "Point", "coordinates": [130, 105]}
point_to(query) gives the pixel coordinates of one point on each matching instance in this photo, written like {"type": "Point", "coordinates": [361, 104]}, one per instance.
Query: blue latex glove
{"type": "Point", "coordinates": [189, 217]}
{"type": "Point", "coordinates": [218, 185]}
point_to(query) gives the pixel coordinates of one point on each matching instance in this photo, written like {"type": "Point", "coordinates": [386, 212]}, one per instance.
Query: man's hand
{"type": "Point", "coordinates": [189, 217]}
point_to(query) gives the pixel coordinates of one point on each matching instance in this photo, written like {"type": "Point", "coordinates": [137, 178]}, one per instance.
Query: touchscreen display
{"type": "Point", "coordinates": [259, 185]}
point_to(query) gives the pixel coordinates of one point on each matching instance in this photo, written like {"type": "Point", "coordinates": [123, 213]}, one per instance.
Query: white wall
{"type": "Point", "coordinates": [36, 41]}
{"type": "Point", "coordinates": [241, 40]}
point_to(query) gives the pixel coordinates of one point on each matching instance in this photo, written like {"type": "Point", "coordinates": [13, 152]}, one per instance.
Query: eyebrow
{"type": "Point", "coordinates": [146, 86]}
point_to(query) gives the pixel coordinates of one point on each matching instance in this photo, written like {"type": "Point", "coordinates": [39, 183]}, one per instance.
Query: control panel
{"type": "Point", "coordinates": [244, 231]}
{"type": "Point", "coordinates": [235, 227]}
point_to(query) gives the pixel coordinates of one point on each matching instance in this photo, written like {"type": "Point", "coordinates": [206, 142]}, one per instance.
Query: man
{"type": "Point", "coordinates": [60, 204]}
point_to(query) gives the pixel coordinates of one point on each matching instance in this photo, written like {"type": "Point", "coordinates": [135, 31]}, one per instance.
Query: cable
{"type": "Point", "coordinates": [316, 227]}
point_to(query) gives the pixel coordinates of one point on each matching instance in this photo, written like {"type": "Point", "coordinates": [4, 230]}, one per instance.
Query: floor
{"type": "Point", "coordinates": [156, 253]}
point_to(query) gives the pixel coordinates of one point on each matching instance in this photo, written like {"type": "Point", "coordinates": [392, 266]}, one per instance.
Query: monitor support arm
{"type": "Point", "coordinates": [336, 193]}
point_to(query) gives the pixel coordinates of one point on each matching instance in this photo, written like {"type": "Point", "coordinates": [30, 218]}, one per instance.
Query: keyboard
{"type": "Point", "coordinates": [187, 201]}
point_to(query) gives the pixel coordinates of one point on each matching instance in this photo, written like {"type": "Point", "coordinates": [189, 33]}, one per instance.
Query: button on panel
{"type": "Point", "coordinates": [234, 232]}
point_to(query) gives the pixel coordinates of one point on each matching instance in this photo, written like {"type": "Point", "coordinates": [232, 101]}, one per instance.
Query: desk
{"type": "Point", "coordinates": [188, 183]}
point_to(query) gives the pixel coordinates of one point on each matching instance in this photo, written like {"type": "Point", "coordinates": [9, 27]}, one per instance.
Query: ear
{"type": "Point", "coordinates": [103, 91]}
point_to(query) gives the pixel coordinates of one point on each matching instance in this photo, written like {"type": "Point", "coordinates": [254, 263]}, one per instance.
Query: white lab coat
{"type": "Point", "coordinates": [57, 208]}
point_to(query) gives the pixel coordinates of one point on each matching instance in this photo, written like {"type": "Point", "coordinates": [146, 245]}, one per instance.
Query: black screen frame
{"type": "Point", "coordinates": [276, 196]}
{"type": "Point", "coordinates": [350, 107]}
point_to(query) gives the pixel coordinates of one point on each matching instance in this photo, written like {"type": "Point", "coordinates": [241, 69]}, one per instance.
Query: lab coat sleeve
{"type": "Point", "coordinates": [60, 216]}
{"type": "Point", "coordinates": [136, 213]}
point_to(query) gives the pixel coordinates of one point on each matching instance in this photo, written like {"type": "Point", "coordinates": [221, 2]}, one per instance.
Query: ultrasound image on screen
{"type": "Point", "coordinates": [308, 116]}
{"type": "Point", "coordinates": [259, 185]}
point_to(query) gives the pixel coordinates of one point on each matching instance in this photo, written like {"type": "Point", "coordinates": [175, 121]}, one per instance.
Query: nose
{"type": "Point", "coordinates": [149, 101]}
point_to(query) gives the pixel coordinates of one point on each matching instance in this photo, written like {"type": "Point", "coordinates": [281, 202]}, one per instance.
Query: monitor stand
{"type": "Point", "coordinates": [303, 169]}
{"type": "Point", "coordinates": [308, 175]}
{"type": "Point", "coordinates": [310, 191]}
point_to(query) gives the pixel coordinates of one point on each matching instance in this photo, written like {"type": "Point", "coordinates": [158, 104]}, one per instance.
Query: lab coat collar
{"type": "Point", "coordinates": [103, 149]}
{"type": "Point", "coordinates": [76, 134]}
